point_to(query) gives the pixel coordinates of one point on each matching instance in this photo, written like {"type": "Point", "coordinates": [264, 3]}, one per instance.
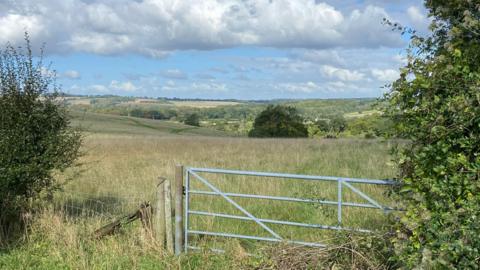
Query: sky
{"type": "Point", "coordinates": [217, 49]}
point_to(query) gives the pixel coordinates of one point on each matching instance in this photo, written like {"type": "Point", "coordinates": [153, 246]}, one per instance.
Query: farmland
{"type": "Point", "coordinates": [123, 158]}
{"type": "Point", "coordinates": [236, 117]}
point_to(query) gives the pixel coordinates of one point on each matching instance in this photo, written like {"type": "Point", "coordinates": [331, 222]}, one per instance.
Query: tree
{"type": "Point", "coordinates": [323, 125]}
{"type": "Point", "coordinates": [435, 104]}
{"type": "Point", "coordinates": [192, 119]}
{"type": "Point", "coordinates": [35, 136]}
{"type": "Point", "coordinates": [338, 124]}
{"type": "Point", "coordinates": [278, 121]}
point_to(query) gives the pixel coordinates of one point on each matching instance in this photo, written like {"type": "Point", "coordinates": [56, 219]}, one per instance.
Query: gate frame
{"type": "Point", "coordinates": [342, 181]}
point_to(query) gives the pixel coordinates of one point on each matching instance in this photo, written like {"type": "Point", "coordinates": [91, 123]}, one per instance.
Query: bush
{"type": "Point", "coordinates": [338, 124]}
{"type": "Point", "coordinates": [435, 104]}
{"type": "Point", "coordinates": [192, 119]}
{"type": "Point", "coordinates": [279, 121]}
{"type": "Point", "coordinates": [35, 136]}
{"type": "Point", "coordinates": [323, 125]}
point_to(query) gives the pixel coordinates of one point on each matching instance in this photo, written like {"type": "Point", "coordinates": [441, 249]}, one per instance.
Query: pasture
{"type": "Point", "coordinates": [123, 159]}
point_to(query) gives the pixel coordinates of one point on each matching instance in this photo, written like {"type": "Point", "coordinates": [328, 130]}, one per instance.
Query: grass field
{"type": "Point", "coordinates": [123, 159]}
{"type": "Point", "coordinates": [123, 125]}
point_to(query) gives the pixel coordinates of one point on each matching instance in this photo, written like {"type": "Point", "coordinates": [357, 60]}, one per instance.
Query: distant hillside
{"type": "Point", "coordinates": [113, 124]}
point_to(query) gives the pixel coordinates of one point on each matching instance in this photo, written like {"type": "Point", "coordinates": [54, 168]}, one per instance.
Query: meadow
{"type": "Point", "coordinates": [122, 160]}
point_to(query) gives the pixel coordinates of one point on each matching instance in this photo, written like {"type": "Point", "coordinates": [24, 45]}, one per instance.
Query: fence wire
{"type": "Point", "coordinates": [76, 205]}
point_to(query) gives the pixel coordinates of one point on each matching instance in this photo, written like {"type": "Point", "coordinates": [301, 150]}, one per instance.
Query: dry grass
{"type": "Point", "coordinates": [122, 170]}
{"type": "Point", "coordinates": [203, 104]}
{"type": "Point", "coordinates": [124, 167]}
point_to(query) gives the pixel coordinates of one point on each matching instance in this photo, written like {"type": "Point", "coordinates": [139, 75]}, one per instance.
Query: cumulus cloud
{"type": "Point", "coordinates": [123, 86]}
{"type": "Point", "coordinates": [174, 74]}
{"type": "Point", "coordinates": [418, 19]}
{"type": "Point", "coordinates": [98, 88]}
{"type": "Point", "coordinates": [321, 56]}
{"type": "Point", "coordinates": [385, 75]}
{"type": "Point", "coordinates": [72, 74]}
{"type": "Point", "coordinates": [157, 27]}
{"type": "Point", "coordinates": [302, 87]}
{"type": "Point", "coordinates": [341, 73]}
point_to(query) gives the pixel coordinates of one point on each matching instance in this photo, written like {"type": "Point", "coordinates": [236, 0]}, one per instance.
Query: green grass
{"type": "Point", "coordinates": [114, 124]}
{"type": "Point", "coordinates": [123, 158]}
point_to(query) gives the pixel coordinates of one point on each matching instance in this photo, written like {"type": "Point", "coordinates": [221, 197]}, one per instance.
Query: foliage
{"type": "Point", "coordinates": [374, 125]}
{"type": "Point", "coordinates": [338, 124]}
{"type": "Point", "coordinates": [435, 104]}
{"type": "Point", "coordinates": [349, 251]}
{"type": "Point", "coordinates": [192, 120]}
{"type": "Point", "coordinates": [35, 137]}
{"type": "Point", "coordinates": [235, 118]}
{"type": "Point", "coordinates": [279, 121]}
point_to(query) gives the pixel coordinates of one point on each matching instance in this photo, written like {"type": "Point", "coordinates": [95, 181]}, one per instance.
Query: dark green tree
{"type": "Point", "coordinates": [192, 119]}
{"type": "Point", "coordinates": [435, 105]}
{"type": "Point", "coordinates": [278, 121]}
{"type": "Point", "coordinates": [338, 124]}
{"type": "Point", "coordinates": [35, 136]}
{"type": "Point", "coordinates": [323, 125]}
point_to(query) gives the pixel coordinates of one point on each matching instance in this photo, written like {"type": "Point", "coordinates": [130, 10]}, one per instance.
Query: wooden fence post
{"type": "Point", "coordinates": [178, 209]}
{"type": "Point", "coordinates": [168, 216]}
{"type": "Point", "coordinates": [160, 213]}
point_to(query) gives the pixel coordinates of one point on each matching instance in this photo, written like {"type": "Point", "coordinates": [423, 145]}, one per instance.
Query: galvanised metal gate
{"type": "Point", "coordinates": [192, 174]}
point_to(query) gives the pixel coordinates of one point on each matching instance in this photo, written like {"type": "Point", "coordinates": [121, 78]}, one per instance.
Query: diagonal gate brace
{"type": "Point", "coordinates": [252, 217]}
{"type": "Point", "coordinates": [363, 195]}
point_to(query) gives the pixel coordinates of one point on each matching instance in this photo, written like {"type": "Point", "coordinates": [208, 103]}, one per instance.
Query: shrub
{"type": "Point", "coordinates": [278, 121]}
{"type": "Point", "coordinates": [192, 119]}
{"type": "Point", "coordinates": [323, 125]}
{"type": "Point", "coordinates": [338, 124]}
{"type": "Point", "coordinates": [35, 136]}
{"type": "Point", "coordinates": [435, 104]}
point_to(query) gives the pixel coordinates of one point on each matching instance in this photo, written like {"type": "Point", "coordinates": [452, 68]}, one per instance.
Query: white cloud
{"type": "Point", "coordinates": [415, 14]}
{"type": "Point", "coordinates": [302, 87]}
{"type": "Point", "coordinates": [72, 74]}
{"type": "Point", "coordinates": [418, 19]}
{"type": "Point", "coordinates": [174, 74]}
{"type": "Point", "coordinates": [123, 86]}
{"type": "Point", "coordinates": [13, 26]}
{"type": "Point", "coordinates": [400, 59]}
{"type": "Point", "coordinates": [209, 86]}
{"type": "Point", "coordinates": [365, 29]}
{"type": "Point", "coordinates": [157, 27]}
{"type": "Point", "coordinates": [385, 75]}
{"type": "Point", "coordinates": [98, 88]}
{"type": "Point", "coordinates": [341, 74]}
{"type": "Point", "coordinates": [321, 56]}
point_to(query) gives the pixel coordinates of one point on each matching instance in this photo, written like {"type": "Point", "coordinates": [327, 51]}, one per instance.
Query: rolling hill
{"type": "Point", "coordinates": [114, 124]}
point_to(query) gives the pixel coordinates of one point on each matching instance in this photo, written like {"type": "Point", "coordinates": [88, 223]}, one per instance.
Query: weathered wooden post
{"type": "Point", "coordinates": [160, 213]}
{"type": "Point", "coordinates": [178, 209]}
{"type": "Point", "coordinates": [168, 215]}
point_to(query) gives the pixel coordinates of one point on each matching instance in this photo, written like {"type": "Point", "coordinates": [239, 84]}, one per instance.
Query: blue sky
{"type": "Point", "coordinates": [242, 49]}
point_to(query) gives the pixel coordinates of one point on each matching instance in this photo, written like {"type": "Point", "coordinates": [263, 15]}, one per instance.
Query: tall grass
{"type": "Point", "coordinates": [117, 168]}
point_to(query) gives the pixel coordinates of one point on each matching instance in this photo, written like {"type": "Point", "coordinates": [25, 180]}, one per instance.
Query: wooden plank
{"type": "Point", "coordinates": [168, 216]}
{"type": "Point", "coordinates": [160, 213]}
{"type": "Point", "coordinates": [178, 209]}
{"type": "Point", "coordinates": [114, 226]}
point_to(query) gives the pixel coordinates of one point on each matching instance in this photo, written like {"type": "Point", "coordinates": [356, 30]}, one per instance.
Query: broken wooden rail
{"type": "Point", "coordinates": [158, 222]}
{"type": "Point", "coordinates": [143, 213]}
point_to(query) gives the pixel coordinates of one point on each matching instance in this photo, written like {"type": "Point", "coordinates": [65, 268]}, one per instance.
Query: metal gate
{"type": "Point", "coordinates": [193, 174]}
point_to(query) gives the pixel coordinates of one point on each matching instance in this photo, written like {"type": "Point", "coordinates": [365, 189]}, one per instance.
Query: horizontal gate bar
{"type": "Point", "coordinates": [211, 249]}
{"type": "Point", "coordinates": [295, 176]}
{"type": "Point", "coordinates": [310, 244]}
{"type": "Point", "coordinates": [282, 222]}
{"type": "Point", "coordinates": [290, 199]}
{"type": "Point", "coordinates": [228, 199]}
